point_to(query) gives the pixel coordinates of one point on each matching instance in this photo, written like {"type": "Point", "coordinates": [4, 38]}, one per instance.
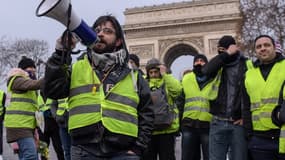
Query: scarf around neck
{"type": "Point", "coordinates": [105, 61]}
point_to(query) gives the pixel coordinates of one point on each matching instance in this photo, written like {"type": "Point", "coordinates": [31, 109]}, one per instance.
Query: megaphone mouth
{"type": "Point", "coordinates": [46, 6]}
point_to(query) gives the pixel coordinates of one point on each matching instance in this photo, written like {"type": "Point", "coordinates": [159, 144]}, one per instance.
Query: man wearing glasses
{"type": "Point", "coordinates": [109, 104]}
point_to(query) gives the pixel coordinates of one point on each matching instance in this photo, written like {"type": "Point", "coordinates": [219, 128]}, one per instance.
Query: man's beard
{"type": "Point", "coordinates": [109, 48]}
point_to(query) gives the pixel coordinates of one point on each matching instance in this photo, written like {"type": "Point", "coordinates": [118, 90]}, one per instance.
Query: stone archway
{"type": "Point", "coordinates": [177, 51]}
{"type": "Point", "coordinates": [168, 31]}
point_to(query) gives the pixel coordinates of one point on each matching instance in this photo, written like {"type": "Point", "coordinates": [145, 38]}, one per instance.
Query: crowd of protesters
{"type": "Point", "coordinates": [103, 106]}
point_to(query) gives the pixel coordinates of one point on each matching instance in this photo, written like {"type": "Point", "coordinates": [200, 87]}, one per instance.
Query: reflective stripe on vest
{"type": "Point", "coordinates": [119, 108]}
{"type": "Point", "coordinates": [264, 95]}
{"type": "Point", "coordinates": [197, 104]}
{"type": "Point", "coordinates": [83, 89]}
{"type": "Point", "coordinates": [27, 100]}
{"type": "Point", "coordinates": [83, 103]}
{"type": "Point", "coordinates": [21, 111]}
{"type": "Point", "coordinates": [88, 103]}
{"type": "Point", "coordinates": [81, 109]}
{"type": "Point", "coordinates": [254, 106]}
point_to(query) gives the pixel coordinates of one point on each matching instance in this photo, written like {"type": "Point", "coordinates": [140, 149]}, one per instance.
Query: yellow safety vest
{"type": "Point", "coordinates": [282, 133]}
{"type": "Point", "coordinates": [21, 111]}
{"type": "Point", "coordinates": [88, 104]}
{"type": "Point", "coordinates": [43, 106]}
{"type": "Point", "coordinates": [175, 124]}
{"type": "Point", "coordinates": [62, 106]}
{"type": "Point", "coordinates": [197, 104]}
{"type": "Point", "coordinates": [264, 97]}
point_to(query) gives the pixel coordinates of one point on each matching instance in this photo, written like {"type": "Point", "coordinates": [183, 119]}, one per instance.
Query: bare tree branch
{"type": "Point", "coordinates": [11, 52]}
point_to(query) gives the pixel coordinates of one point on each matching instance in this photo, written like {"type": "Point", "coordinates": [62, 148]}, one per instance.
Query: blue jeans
{"type": "Point", "coordinates": [77, 153]}
{"type": "Point", "coordinates": [66, 142]}
{"type": "Point", "coordinates": [225, 135]}
{"type": "Point", "coordinates": [264, 149]}
{"type": "Point", "coordinates": [27, 149]}
{"type": "Point", "coordinates": [192, 141]}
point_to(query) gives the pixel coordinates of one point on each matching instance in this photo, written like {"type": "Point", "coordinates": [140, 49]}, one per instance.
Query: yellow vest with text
{"type": "Point", "coordinates": [88, 104]}
{"type": "Point", "coordinates": [1, 101]}
{"type": "Point", "coordinates": [264, 96]}
{"type": "Point", "coordinates": [21, 111]}
{"type": "Point", "coordinates": [197, 105]}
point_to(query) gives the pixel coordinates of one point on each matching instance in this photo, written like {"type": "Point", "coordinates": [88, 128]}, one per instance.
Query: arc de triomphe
{"type": "Point", "coordinates": [168, 31]}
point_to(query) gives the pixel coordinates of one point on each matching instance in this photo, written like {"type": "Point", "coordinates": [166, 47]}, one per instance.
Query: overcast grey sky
{"type": "Point", "coordinates": [18, 19]}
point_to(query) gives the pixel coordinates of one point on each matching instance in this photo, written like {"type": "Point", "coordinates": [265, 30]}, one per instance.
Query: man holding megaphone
{"type": "Point", "coordinates": [109, 104]}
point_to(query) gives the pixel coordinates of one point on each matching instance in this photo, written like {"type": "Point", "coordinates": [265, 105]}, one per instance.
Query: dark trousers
{"type": "Point", "coordinates": [52, 132]}
{"type": "Point", "coordinates": [193, 140]}
{"type": "Point", "coordinates": [264, 149]}
{"type": "Point", "coordinates": [79, 152]}
{"type": "Point", "coordinates": [162, 146]}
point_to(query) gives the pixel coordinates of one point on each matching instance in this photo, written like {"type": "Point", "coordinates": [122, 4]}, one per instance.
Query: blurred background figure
{"type": "Point", "coordinates": [163, 139]}
{"type": "Point", "coordinates": [194, 108]}
{"type": "Point", "coordinates": [20, 121]}
{"type": "Point", "coordinates": [2, 113]}
{"type": "Point", "coordinates": [51, 128]}
{"type": "Point", "coordinates": [134, 62]}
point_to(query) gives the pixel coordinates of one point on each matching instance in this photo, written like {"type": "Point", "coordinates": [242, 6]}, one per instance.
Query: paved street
{"type": "Point", "coordinates": [9, 155]}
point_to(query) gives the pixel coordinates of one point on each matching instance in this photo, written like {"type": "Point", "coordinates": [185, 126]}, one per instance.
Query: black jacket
{"type": "Point", "coordinates": [104, 142]}
{"type": "Point", "coordinates": [246, 114]}
{"type": "Point", "coordinates": [228, 103]}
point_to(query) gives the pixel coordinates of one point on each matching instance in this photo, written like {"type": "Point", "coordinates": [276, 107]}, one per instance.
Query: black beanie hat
{"type": "Point", "coordinates": [135, 58]}
{"type": "Point", "coordinates": [226, 41]}
{"type": "Point", "coordinates": [26, 62]}
{"type": "Point", "coordinates": [202, 56]}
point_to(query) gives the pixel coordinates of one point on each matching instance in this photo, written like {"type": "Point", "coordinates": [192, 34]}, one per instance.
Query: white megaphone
{"type": "Point", "coordinates": [59, 10]}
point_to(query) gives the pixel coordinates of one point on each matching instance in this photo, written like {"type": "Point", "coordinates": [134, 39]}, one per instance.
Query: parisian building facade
{"type": "Point", "coordinates": [168, 31]}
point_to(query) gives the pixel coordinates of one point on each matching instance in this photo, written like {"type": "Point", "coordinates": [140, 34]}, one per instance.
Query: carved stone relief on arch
{"type": "Point", "coordinates": [213, 46]}
{"type": "Point", "coordinates": [195, 41]}
{"type": "Point", "coordinates": [143, 51]}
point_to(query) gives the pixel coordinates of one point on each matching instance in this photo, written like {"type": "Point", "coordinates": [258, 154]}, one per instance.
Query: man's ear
{"type": "Point", "coordinates": [118, 42]}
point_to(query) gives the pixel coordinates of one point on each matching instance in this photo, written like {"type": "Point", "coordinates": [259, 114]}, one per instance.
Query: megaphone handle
{"type": "Point", "coordinates": [68, 15]}
{"type": "Point", "coordinates": [68, 36]}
